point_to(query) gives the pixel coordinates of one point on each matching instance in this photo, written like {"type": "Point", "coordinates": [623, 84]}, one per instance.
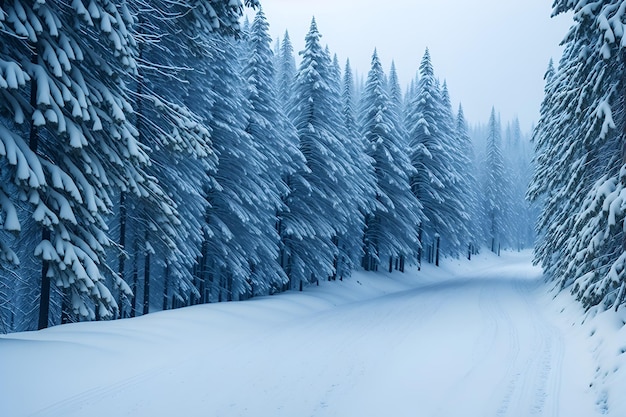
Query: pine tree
{"type": "Point", "coordinates": [457, 190]}
{"type": "Point", "coordinates": [495, 199]}
{"type": "Point", "coordinates": [276, 140]}
{"type": "Point", "coordinates": [79, 63]}
{"type": "Point", "coordinates": [286, 72]}
{"type": "Point", "coordinates": [397, 102]}
{"type": "Point", "coordinates": [391, 229]}
{"type": "Point", "coordinates": [468, 184]}
{"type": "Point", "coordinates": [327, 203]}
{"type": "Point", "coordinates": [595, 244]}
{"type": "Point", "coordinates": [428, 126]}
{"type": "Point", "coordinates": [348, 100]}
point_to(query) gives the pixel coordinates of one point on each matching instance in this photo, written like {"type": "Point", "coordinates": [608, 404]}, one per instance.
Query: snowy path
{"type": "Point", "coordinates": [480, 343]}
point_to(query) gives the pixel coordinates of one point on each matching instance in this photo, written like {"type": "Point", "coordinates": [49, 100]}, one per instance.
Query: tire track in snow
{"type": "Point", "coordinates": [512, 374]}
{"type": "Point", "coordinates": [71, 405]}
{"type": "Point", "coordinates": [534, 385]}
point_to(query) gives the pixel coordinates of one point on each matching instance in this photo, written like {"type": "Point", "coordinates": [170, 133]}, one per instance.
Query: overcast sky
{"type": "Point", "coordinates": [491, 52]}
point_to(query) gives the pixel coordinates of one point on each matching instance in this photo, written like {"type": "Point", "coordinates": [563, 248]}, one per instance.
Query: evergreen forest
{"type": "Point", "coordinates": [158, 154]}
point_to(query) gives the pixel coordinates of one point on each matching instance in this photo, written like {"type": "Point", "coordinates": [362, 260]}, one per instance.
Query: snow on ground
{"type": "Point", "coordinates": [472, 339]}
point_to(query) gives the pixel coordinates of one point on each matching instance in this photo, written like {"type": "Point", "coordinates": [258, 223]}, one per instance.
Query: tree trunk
{"type": "Point", "coordinates": [65, 307]}
{"type": "Point", "coordinates": [437, 244]}
{"type": "Point", "coordinates": [419, 249]}
{"type": "Point", "coordinates": [146, 281]}
{"type": "Point", "coordinates": [44, 300]}
{"type": "Point", "coordinates": [133, 301]}
{"type": "Point", "coordinates": [229, 289]}
{"type": "Point", "coordinates": [391, 264]}
{"type": "Point", "coordinates": [202, 273]}
{"type": "Point", "coordinates": [335, 260]}
{"type": "Point", "coordinates": [122, 243]}
{"type": "Point", "coordinates": [166, 285]}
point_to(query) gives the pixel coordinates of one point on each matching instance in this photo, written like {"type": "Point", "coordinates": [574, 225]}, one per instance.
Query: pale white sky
{"type": "Point", "coordinates": [491, 52]}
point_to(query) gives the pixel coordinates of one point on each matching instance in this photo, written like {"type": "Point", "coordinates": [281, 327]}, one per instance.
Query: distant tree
{"type": "Point", "coordinates": [348, 100]}
{"type": "Point", "coordinates": [286, 72]}
{"type": "Point", "coordinates": [468, 184]}
{"type": "Point", "coordinates": [495, 197]}
{"type": "Point", "coordinates": [397, 101]}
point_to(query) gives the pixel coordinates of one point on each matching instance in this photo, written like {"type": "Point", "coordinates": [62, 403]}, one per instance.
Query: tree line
{"type": "Point", "coordinates": [156, 154]}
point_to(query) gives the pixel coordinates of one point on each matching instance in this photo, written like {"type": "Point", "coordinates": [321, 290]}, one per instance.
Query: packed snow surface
{"type": "Point", "coordinates": [473, 339]}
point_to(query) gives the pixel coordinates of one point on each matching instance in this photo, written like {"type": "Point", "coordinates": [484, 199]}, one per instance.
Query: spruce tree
{"type": "Point", "coordinates": [276, 140]}
{"type": "Point", "coordinates": [327, 202]}
{"type": "Point", "coordinates": [495, 196]}
{"type": "Point", "coordinates": [596, 243]}
{"type": "Point", "coordinates": [391, 229]}
{"type": "Point", "coordinates": [428, 127]}
{"type": "Point", "coordinates": [468, 184]}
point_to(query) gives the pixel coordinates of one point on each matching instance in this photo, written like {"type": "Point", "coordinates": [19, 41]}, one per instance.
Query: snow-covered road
{"type": "Point", "coordinates": [475, 339]}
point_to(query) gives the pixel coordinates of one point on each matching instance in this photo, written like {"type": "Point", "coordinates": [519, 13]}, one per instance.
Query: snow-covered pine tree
{"type": "Point", "coordinates": [566, 160]}
{"type": "Point", "coordinates": [495, 195]}
{"type": "Point", "coordinates": [549, 180]}
{"type": "Point", "coordinates": [391, 229]}
{"type": "Point", "coordinates": [469, 182]}
{"type": "Point", "coordinates": [429, 146]}
{"type": "Point", "coordinates": [329, 202]}
{"type": "Point", "coordinates": [350, 244]}
{"type": "Point", "coordinates": [397, 102]}
{"type": "Point", "coordinates": [277, 142]}
{"type": "Point", "coordinates": [171, 38]}
{"type": "Point", "coordinates": [76, 117]}
{"type": "Point", "coordinates": [595, 249]}
{"type": "Point", "coordinates": [20, 172]}
{"type": "Point", "coordinates": [286, 72]}
{"type": "Point", "coordinates": [517, 155]}
{"type": "Point", "coordinates": [348, 99]}
{"type": "Point", "coordinates": [239, 206]}
{"type": "Point", "coordinates": [458, 191]}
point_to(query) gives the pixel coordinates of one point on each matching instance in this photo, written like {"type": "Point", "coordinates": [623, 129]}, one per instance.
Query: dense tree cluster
{"type": "Point", "coordinates": [153, 155]}
{"type": "Point", "coordinates": [580, 172]}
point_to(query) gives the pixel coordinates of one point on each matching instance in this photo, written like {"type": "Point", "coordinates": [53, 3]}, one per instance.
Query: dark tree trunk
{"type": "Point", "coordinates": [229, 293]}
{"type": "Point", "coordinates": [437, 244]}
{"type": "Point", "coordinates": [44, 300]}
{"type": "Point", "coordinates": [122, 243]}
{"type": "Point", "coordinates": [335, 260]}
{"type": "Point", "coordinates": [135, 287]}
{"type": "Point", "coordinates": [65, 307]}
{"type": "Point", "coordinates": [203, 271]}
{"type": "Point", "coordinates": [419, 249]}
{"type": "Point", "coordinates": [391, 264]}
{"type": "Point", "coordinates": [146, 281]}
{"type": "Point", "coordinates": [166, 285]}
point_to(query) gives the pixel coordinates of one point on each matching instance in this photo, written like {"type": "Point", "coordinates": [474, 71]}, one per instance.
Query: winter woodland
{"type": "Point", "coordinates": [160, 154]}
